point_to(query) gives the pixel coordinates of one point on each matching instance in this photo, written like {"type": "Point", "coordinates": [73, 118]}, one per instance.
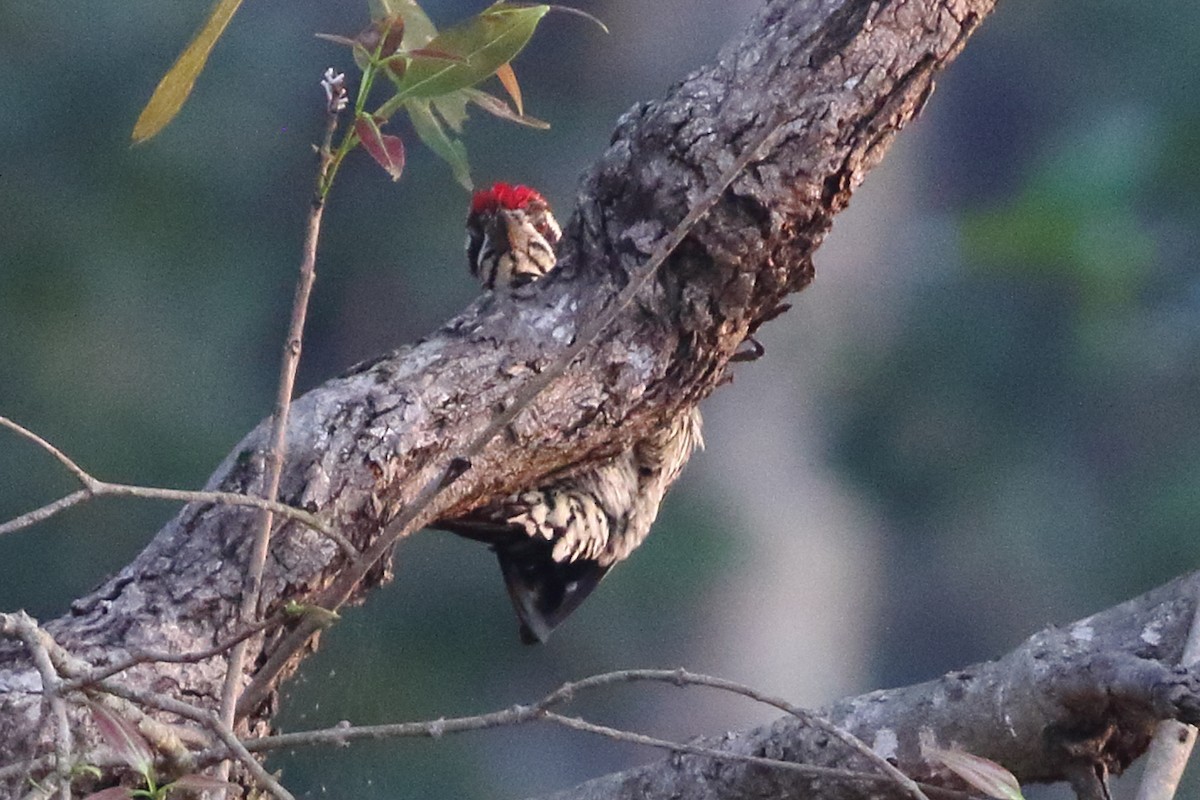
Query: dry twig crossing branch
{"type": "Point", "coordinates": [94, 487]}
{"type": "Point", "coordinates": [231, 690]}
{"type": "Point", "coordinates": [23, 627]}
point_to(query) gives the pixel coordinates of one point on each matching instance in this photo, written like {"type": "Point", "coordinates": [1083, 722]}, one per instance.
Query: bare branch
{"type": "Point", "coordinates": [71, 466]}
{"type": "Point", "coordinates": [252, 593]}
{"type": "Point", "coordinates": [94, 487]}
{"type": "Point", "coordinates": [47, 511]}
{"type": "Point", "coordinates": [517, 715]}
{"type": "Point", "coordinates": [21, 626]}
{"type": "Point", "coordinates": [681, 677]}
{"type": "Point", "coordinates": [808, 770]}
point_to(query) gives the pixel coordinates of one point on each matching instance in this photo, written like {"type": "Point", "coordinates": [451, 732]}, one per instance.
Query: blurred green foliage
{"type": "Point", "coordinates": [1029, 433]}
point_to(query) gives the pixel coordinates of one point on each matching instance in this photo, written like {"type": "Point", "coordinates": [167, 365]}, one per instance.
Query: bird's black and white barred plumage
{"type": "Point", "coordinates": [556, 542]}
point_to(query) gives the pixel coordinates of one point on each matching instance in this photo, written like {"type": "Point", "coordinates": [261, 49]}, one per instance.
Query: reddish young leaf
{"type": "Point", "coordinates": [396, 66]}
{"type": "Point", "coordinates": [508, 78]}
{"type": "Point", "coordinates": [387, 150]}
{"type": "Point", "coordinates": [125, 740]}
{"type": "Point", "coordinates": [980, 773]}
{"type": "Point", "coordinates": [417, 25]}
{"type": "Point", "coordinates": [392, 31]}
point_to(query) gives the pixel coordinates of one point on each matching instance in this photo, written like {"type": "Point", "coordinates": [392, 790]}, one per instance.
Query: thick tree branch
{"type": "Point", "coordinates": [1082, 700]}
{"type": "Point", "coordinates": [839, 80]}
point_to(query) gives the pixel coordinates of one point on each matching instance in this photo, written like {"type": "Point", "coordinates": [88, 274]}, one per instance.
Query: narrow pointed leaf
{"type": "Point", "coordinates": [508, 79]}
{"type": "Point", "coordinates": [173, 90]}
{"type": "Point", "coordinates": [436, 139]}
{"type": "Point", "coordinates": [494, 105]}
{"type": "Point", "coordinates": [201, 783]}
{"type": "Point", "coordinates": [397, 66]}
{"type": "Point", "coordinates": [487, 41]}
{"type": "Point", "coordinates": [387, 150]}
{"type": "Point", "coordinates": [980, 773]}
{"type": "Point", "coordinates": [125, 740]}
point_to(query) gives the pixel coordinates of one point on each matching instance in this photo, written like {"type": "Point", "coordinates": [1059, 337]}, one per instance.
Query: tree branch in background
{"type": "Point", "coordinates": [94, 487]}
{"type": "Point", "coordinates": [1072, 702]}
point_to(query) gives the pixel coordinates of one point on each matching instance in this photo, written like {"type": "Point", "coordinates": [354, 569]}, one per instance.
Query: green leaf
{"type": "Point", "coordinates": [173, 90]}
{"type": "Point", "coordinates": [486, 42]}
{"type": "Point", "coordinates": [452, 108]}
{"type": "Point", "coordinates": [436, 139]}
{"type": "Point", "coordinates": [419, 28]}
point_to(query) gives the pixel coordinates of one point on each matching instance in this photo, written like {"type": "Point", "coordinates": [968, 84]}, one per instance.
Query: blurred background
{"type": "Point", "coordinates": [979, 420]}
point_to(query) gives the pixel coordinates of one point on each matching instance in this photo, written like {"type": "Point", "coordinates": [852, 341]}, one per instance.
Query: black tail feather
{"type": "Point", "coordinates": [544, 592]}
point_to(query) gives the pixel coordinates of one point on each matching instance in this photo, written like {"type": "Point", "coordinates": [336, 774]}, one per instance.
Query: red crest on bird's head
{"type": "Point", "coordinates": [506, 196]}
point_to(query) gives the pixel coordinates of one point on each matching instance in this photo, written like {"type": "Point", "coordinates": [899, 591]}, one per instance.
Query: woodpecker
{"type": "Point", "coordinates": [556, 542]}
{"type": "Point", "coordinates": [511, 236]}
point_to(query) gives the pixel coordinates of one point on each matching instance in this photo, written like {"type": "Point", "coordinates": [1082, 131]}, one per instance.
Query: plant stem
{"type": "Point", "coordinates": [273, 459]}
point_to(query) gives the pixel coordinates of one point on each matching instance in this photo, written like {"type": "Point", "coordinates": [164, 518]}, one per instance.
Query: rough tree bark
{"type": "Point", "coordinates": [838, 78]}
{"type": "Point", "coordinates": [1070, 704]}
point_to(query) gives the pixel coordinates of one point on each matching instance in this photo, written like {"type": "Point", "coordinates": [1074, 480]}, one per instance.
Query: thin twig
{"type": "Point", "coordinates": [47, 511]}
{"type": "Point", "coordinates": [94, 487]}
{"type": "Point", "coordinates": [681, 677]}
{"type": "Point", "coordinates": [419, 512]}
{"type": "Point", "coordinates": [343, 733]}
{"type": "Point", "coordinates": [252, 589]}
{"type": "Point", "coordinates": [79, 472]}
{"type": "Point", "coordinates": [1173, 741]}
{"type": "Point", "coordinates": [24, 627]}
{"type": "Point", "coordinates": [517, 715]}
{"type": "Point", "coordinates": [810, 770]}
